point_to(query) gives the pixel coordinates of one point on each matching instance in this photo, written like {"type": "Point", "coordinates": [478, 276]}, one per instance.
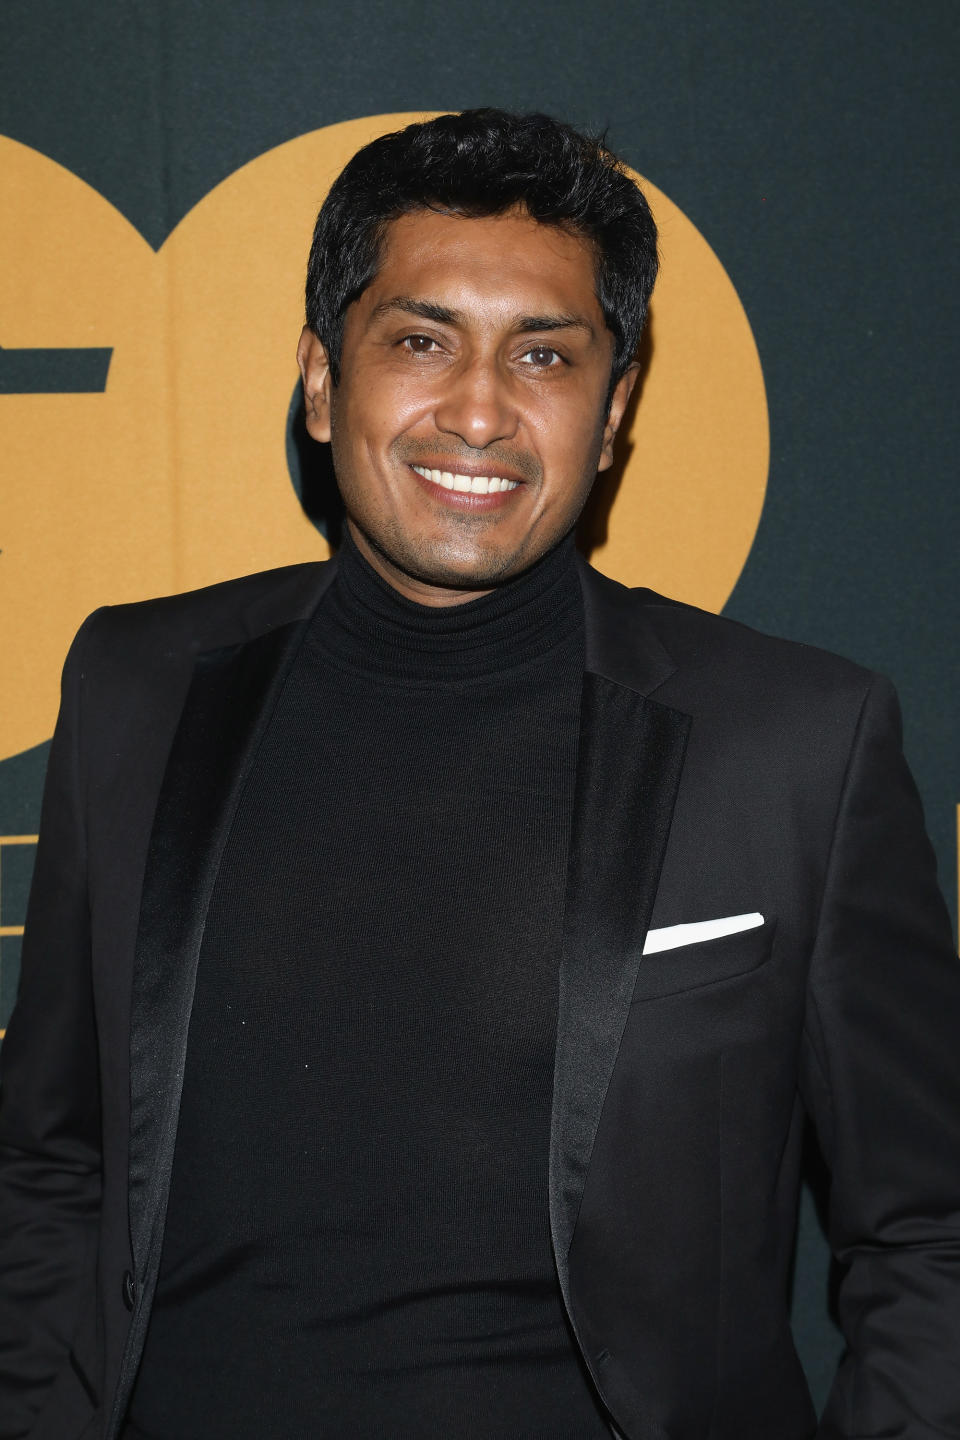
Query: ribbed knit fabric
{"type": "Point", "coordinates": [358, 1237]}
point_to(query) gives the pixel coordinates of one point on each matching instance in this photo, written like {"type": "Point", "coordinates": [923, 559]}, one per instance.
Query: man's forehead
{"type": "Point", "coordinates": [447, 260]}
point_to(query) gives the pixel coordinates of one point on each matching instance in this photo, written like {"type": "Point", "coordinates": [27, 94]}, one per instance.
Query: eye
{"type": "Point", "coordinates": [419, 344]}
{"type": "Point", "coordinates": [542, 357]}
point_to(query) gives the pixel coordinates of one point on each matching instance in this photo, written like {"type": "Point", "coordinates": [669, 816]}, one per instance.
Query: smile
{"type": "Point", "coordinates": [467, 484]}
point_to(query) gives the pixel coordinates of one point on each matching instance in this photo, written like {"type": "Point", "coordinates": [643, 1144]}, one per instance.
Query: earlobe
{"type": "Point", "coordinates": [315, 372]}
{"type": "Point", "coordinates": [615, 413]}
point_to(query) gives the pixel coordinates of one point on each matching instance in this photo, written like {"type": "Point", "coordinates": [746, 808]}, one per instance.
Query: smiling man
{"type": "Point", "coordinates": [433, 954]}
{"type": "Point", "coordinates": [475, 405]}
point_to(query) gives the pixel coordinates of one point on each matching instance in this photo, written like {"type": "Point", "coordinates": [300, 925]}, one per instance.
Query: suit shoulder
{"type": "Point", "coordinates": [727, 657]}
{"type": "Point", "coordinates": [219, 614]}
{"type": "Point", "coordinates": [702, 631]}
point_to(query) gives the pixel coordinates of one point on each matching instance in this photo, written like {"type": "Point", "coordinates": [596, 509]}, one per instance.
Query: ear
{"type": "Point", "coordinates": [315, 370]}
{"type": "Point", "coordinates": [618, 404]}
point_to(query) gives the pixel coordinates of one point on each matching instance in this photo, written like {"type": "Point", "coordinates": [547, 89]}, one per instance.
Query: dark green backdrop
{"type": "Point", "coordinates": [813, 145]}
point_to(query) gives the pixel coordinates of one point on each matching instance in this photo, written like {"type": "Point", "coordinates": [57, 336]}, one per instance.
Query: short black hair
{"type": "Point", "coordinates": [479, 163]}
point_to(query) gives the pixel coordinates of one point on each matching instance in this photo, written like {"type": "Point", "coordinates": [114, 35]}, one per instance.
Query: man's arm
{"type": "Point", "coordinates": [49, 1100]}
{"type": "Point", "coordinates": [882, 1081]}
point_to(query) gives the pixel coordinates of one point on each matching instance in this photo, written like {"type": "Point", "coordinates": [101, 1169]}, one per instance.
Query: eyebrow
{"type": "Point", "coordinates": [444, 315]}
{"type": "Point", "coordinates": [423, 309]}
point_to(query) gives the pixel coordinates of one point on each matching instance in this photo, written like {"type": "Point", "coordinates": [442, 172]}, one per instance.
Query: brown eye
{"type": "Point", "coordinates": [419, 344]}
{"type": "Point", "coordinates": [542, 357]}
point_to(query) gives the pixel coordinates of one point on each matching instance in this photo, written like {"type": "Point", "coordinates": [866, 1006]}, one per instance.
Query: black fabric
{"type": "Point", "coordinates": [230, 696]}
{"type": "Point", "coordinates": [358, 1238]}
{"type": "Point", "coordinates": [629, 766]}
{"type": "Point", "coordinates": [794, 801]}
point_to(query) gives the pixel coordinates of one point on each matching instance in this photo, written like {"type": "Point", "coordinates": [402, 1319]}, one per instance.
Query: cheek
{"type": "Point", "coordinates": [570, 446]}
{"type": "Point", "coordinates": [393, 389]}
{"type": "Point", "coordinates": [357, 421]}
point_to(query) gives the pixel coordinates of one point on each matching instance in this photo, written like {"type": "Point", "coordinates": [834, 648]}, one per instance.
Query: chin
{"type": "Point", "coordinates": [444, 565]}
{"type": "Point", "coordinates": [479, 572]}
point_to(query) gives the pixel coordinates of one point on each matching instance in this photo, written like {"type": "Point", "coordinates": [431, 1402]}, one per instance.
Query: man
{"type": "Point", "coordinates": [432, 955]}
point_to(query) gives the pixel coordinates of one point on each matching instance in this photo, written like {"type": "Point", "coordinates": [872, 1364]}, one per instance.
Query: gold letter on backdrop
{"type": "Point", "coordinates": [155, 461]}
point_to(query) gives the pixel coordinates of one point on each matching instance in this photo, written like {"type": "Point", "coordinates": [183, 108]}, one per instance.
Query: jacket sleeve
{"type": "Point", "coordinates": [881, 1078]}
{"type": "Point", "coordinates": [49, 1098]}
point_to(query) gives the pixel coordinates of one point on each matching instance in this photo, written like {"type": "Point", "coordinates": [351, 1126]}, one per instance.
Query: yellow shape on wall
{"type": "Point", "coordinates": [10, 931]}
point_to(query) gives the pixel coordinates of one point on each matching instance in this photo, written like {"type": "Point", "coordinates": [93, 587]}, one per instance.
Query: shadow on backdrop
{"type": "Point", "coordinates": [594, 523]}
{"type": "Point", "coordinates": [311, 470]}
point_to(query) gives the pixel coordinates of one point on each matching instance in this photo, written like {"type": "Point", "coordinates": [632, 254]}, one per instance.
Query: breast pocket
{"type": "Point", "coordinates": [705, 962]}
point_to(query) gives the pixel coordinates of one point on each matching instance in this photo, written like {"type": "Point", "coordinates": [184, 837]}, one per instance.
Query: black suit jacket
{"type": "Point", "coordinates": [720, 772]}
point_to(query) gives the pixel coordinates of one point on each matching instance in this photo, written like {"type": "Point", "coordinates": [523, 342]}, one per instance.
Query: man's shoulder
{"type": "Point", "coordinates": [227, 612]}
{"type": "Point", "coordinates": [721, 653]}
{"type": "Point", "coordinates": [695, 633]}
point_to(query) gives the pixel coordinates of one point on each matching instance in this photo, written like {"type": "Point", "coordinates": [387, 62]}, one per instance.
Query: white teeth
{"type": "Point", "coordinates": [467, 484]}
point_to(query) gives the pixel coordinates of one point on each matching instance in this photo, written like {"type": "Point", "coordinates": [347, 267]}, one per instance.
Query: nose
{"type": "Point", "coordinates": [477, 405]}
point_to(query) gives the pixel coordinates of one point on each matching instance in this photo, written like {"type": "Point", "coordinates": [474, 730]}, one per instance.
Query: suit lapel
{"type": "Point", "coordinates": [628, 769]}
{"type": "Point", "coordinates": [233, 692]}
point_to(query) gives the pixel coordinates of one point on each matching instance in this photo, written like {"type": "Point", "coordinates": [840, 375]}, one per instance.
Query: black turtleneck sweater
{"type": "Point", "coordinates": [357, 1240]}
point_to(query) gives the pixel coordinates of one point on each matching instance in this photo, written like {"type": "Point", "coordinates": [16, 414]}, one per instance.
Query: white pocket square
{"type": "Point", "coordinates": [668, 937]}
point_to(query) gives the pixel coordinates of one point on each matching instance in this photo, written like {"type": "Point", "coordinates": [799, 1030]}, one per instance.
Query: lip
{"type": "Point", "coordinates": [464, 499]}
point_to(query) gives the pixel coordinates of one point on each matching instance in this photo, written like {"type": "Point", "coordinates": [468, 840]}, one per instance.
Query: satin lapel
{"type": "Point", "coordinates": [231, 697]}
{"type": "Point", "coordinates": [628, 769]}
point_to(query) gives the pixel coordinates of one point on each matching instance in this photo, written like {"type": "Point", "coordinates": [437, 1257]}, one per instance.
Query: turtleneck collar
{"type": "Point", "coordinates": [364, 624]}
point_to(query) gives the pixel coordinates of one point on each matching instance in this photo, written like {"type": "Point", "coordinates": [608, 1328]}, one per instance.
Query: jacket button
{"type": "Point", "coordinates": [129, 1290]}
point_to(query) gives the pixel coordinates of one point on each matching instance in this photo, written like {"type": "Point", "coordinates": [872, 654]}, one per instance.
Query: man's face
{"type": "Point", "coordinates": [470, 419]}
